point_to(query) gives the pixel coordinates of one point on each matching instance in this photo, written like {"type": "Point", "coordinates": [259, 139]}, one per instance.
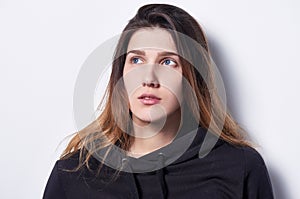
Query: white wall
{"type": "Point", "coordinates": [43, 45]}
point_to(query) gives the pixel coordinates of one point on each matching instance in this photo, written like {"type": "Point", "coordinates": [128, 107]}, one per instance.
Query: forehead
{"type": "Point", "coordinates": [156, 38]}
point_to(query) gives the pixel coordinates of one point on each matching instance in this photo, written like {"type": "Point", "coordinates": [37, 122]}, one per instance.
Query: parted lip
{"type": "Point", "coordinates": [148, 95]}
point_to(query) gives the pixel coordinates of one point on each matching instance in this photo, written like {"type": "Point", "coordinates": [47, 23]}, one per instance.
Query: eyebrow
{"type": "Point", "coordinates": [141, 52]}
{"type": "Point", "coordinates": [138, 52]}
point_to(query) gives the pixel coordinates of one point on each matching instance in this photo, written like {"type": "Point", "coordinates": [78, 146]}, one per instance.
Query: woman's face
{"type": "Point", "coordinates": [153, 76]}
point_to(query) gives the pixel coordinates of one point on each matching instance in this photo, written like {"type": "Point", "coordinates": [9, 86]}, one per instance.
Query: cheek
{"type": "Point", "coordinates": [175, 97]}
{"type": "Point", "coordinates": [178, 89]}
{"type": "Point", "coordinates": [133, 102]}
{"type": "Point", "coordinates": [126, 68]}
{"type": "Point", "coordinates": [170, 79]}
{"type": "Point", "coordinates": [175, 91]}
{"type": "Point", "coordinates": [132, 78]}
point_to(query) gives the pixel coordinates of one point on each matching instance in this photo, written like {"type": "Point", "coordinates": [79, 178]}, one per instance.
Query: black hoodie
{"type": "Point", "coordinates": [227, 171]}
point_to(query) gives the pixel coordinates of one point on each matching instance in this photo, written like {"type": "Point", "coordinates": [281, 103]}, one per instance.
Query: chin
{"type": "Point", "coordinates": [146, 119]}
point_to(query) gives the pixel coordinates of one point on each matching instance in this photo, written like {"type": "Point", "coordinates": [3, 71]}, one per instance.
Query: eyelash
{"type": "Point", "coordinates": [163, 60]}
{"type": "Point", "coordinates": [131, 59]}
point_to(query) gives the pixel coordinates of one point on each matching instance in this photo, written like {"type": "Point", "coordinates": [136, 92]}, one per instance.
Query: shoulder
{"type": "Point", "coordinates": [246, 154]}
{"type": "Point", "coordinates": [69, 179]}
{"type": "Point", "coordinates": [55, 187]}
{"type": "Point", "coordinates": [256, 179]}
{"type": "Point", "coordinates": [69, 162]}
{"type": "Point", "coordinates": [252, 158]}
{"type": "Point", "coordinates": [63, 167]}
{"type": "Point", "coordinates": [245, 158]}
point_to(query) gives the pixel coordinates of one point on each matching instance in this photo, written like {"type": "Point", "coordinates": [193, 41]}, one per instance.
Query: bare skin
{"type": "Point", "coordinates": [157, 118]}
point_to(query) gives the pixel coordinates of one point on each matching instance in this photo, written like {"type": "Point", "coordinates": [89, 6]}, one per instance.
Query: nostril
{"type": "Point", "coordinates": [151, 84]}
{"type": "Point", "coordinates": [154, 85]}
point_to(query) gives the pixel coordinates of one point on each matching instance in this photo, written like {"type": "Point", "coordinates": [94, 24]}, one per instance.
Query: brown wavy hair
{"type": "Point", "coordinates": [105, 130]}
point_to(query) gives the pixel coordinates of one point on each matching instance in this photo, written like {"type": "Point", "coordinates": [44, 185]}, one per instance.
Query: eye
{"type": "Point", "coordinates": [136, 60]}
{"type": "Point", "coordinates": [169, 62]}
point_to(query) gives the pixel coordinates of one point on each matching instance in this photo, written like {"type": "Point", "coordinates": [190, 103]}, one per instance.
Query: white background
{"type": "Point", "coordinates": [44, 43]}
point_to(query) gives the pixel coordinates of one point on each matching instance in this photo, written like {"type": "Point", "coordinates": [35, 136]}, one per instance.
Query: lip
{"type": "Point", "coordinates": [149, 99]}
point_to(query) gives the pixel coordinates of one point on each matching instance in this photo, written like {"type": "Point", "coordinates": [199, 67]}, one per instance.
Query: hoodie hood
{"type": "Point", "coordinates": [195, 144]}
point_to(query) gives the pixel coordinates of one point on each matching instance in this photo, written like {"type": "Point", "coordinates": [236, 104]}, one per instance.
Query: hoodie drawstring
{"type": "Point", "coordinates": [132, 185]}
{"type": "Point", "coordinates": [160, 173]}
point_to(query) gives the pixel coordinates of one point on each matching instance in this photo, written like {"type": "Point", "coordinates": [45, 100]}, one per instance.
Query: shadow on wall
{"type": "Point", "coordinates": [279, 188]}
{"type": "Point", "coordinates": [229, 81]}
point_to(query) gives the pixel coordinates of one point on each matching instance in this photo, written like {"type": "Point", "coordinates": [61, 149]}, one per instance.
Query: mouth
{"type": "Point", "coordinates": [149, 99]}
{"type": "Point", "coordinates": [148, 96]}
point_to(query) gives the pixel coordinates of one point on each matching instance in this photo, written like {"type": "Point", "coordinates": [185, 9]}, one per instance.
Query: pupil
{"type": "Point", "coordinates": [168, 61]}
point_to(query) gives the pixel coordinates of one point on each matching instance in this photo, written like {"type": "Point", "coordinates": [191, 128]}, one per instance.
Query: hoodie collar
{"type": "Point", "coordinates": [200, 144]}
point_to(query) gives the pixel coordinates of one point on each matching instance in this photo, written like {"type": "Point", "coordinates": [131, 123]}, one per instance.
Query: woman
{"type": "Point", "coordinates": [164, 131]}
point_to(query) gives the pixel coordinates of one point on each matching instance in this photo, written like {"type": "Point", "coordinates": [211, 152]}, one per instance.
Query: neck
{"type": "Point", "coordinates": [152, 137]}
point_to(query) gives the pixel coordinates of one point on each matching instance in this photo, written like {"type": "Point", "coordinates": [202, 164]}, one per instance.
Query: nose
{"type": "Point", "coordinates": [150, 78]}
{"type": "Point", "coordinates": [154, 85]}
